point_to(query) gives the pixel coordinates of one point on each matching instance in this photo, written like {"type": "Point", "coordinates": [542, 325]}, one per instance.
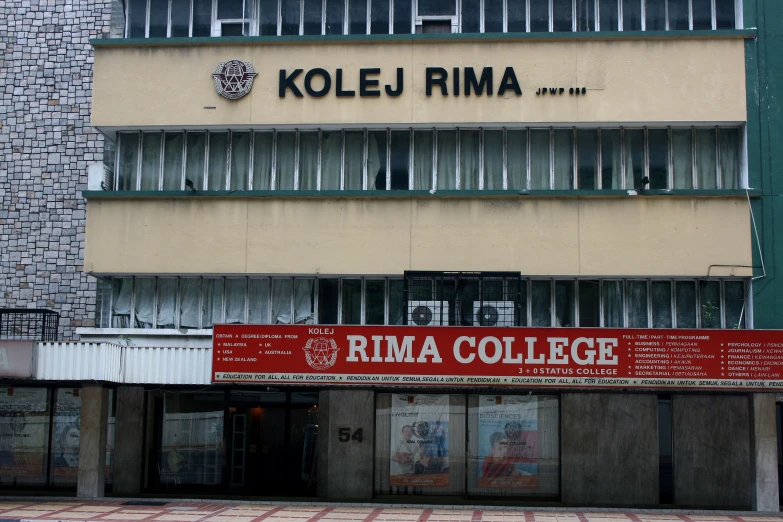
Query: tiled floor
{"type": "Point", "coordinates": [117, 511]}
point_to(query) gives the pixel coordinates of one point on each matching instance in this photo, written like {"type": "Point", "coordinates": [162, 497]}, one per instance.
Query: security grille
{"type": "Point", "coordinates": [28, 324]}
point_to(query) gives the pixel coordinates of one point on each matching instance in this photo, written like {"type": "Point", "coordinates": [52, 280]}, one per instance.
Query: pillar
{"type": "Point", "coordinates": [764, 452]}
{"type": "Point", "coordinates": [92, 448]}
{"type": "Point", "coordinates": [346, 420]}
{"type": "Point", "coordinates": [128, 438]}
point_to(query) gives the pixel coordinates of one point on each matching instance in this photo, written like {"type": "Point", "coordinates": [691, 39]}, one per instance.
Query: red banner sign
{"type": "Point", "coordinates": [498, 357]}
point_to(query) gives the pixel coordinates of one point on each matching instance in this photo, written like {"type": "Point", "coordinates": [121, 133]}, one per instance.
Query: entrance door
{"type": "Point", "coordinates": [272, 448]}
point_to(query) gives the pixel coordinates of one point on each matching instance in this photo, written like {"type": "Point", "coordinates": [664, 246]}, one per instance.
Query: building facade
{"type": "Point", "coordinates": [463, 164]}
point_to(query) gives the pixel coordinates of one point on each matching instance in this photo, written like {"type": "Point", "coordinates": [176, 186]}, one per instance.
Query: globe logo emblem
{"type": "Point", "coordinates": [321, 353]}
{"type": "Point", "coordinates": [234, 78]}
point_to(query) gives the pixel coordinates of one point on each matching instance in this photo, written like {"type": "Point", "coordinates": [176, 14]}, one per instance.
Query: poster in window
{"type": "Point", "coordinates": [508, 441]}
{"type": "Point", "coordinates": [419, 440]}
{"type": "Point", "coordinates": [24, 429]}
{"type": "Point", "coordinates": [67, 434]}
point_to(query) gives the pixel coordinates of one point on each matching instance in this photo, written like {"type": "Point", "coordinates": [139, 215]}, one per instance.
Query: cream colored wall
{"type": "Point", "coordinates": [627, 81]}
{"type": "Point", "coordinates": [624, 236]}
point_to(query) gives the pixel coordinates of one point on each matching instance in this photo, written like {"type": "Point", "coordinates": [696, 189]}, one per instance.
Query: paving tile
{"type": "Point", "coordinates": [221, 518]}
{"type": "Point", "coordinates": [125, 516]}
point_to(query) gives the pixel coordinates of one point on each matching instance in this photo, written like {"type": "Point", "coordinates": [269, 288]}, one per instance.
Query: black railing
{"type": "Point", "coordinates": [29, 324]}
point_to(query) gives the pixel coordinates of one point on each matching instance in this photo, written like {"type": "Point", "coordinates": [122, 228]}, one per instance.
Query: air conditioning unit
{"type": "Point", "coordinates": [99, 177]}
{"type": "Point", "coordinates": [428, 313]}
{"type": "Point", "coordinates": [493, 313]}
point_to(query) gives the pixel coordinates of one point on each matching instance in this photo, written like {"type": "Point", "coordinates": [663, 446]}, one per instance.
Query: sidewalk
{"type": "Point", "coordinates": [72, 510]}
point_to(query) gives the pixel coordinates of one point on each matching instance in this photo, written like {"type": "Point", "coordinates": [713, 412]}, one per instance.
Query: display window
{"type": "Point", "coordinates": [24, 436]}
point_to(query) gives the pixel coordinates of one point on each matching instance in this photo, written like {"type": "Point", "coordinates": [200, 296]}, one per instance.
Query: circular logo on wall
{"type": "Point", "coordinates": [321, 353]}
{"type": "Point", "coordinates": [234, 78]}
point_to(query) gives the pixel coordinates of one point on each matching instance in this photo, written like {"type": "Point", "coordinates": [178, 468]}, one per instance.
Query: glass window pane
{"type": "Point", "coordinates": [308, 160]}
{"type": "Point", "coordinates": [376, 160]}
{"type": "Point", "coordinates": [202, 17]}
{"type": "Point", "coordinates": [437, 7]}
{"type": "Point", "coordinates": [65, 436]}
{"type": "Point", "coordinates": [517, 159]}
{"type": "Point", "coordinates": [422, 160]}
{"type": "Point", "coordinates": [192, 449]}
{"type": "Point", "coordinates": [24, 423]}
{"type": "Point", "coordinates": [564, 159]}
{"type": "Point", "coordinates": [354, 160]}
{"type": "Point", "coordinates": [608, 12]}
{"type": "Point", "coordinates": [725, 14]}
{"type": "Point", "coordinates": [658, 143]}
{"type": "Point", "coordinates": [400, 159]}
{"type": "Point", "coordinates": [379, 17]}
{"type": "Point", "coordinates": [328, 298]}
{"type": "Point", "coordinates": [539, 159]}
{"type": "Point", "coordinates": [447, 160]}
{"type": "Point", "coordinates": [331, 159]}
{"type": "Point", "coordinates": [218, 157]}
{"type": "Point", "coordinates": [258, 301]}
{"type": "Point", "coordinates": [282, 294]}
{"type": "Point", "coordinates": [522, 300]}
{"type": "Point", "coordinates": [539, 16]}
{"type": "Point", "coordinates": [396, 304]}
{"type": "Point", "coordinates": [189, 302]}
{"type": "Point", "coordinates": [563, 15]}
{"type": "Point", "coordinates": [194, 159]}
{"type": "Point", "coordinates": [734, 294]}
{"type": "Point", "coordinates": [312, 17]}
{"type": "Point", "coordinates": [357, 17]}
{"type": "Point", "coordinates": [634, 159]}
{"type": "Point", "coordinates": [702, 15]}
{"type": "Point", "coordinates": [613, 304]}
{"type": "Point", "coordinates": [129, 161]}
{"type": "Point", "coordinates": [587, 159]}
{"type": "Point", "coordinates": [229, 9]}
{"type": "Point", "coordinates": [541, 303]}
{"type": "Point", "coordinates": [632, 15]}
{"type": "Point", "coordinates": [589, 312]}
{"type": "Point", "coordinates": [150, 161]}
{"type": "Point", "coordinates": [167, 302]}
{"type": "Point", "coordinates": [144, 302]}
{"type": "Point", "coordinates": [729, 157]}
{"type": "Point", "coordinates": [304, 303]}
{"type": "Point", "coordinates": [661, 293]}
{"type": "Point", "coordinates": [352, 301]}
{"type": "Point", "coordinates": [137, 18]}
{"type": "Point", "coordinates": [564, 303]}
{"type": "Point", "coordinates": [236, 288]}
{"type": "Point", "coordinates": [611, 160]}
{"type": "Point", "coordinates": [710, 304]}
{"type": "Point", "coordinates": [686, 304]}
{"type": "Point", "coordinates": [212, 302]}
{"type": "Point", "coordinates": [403, 16]}
{"type": "Point", "coordinates": [240, 160]}
{"type": "Point", "coordinates": [122, 294]}
{"type": "Point", "coordinates": [471, 16]}
{"type": "Point", "coordinates": [655, 15]}
{"type": "Point", "coordinates": [585, 15]}
{"type": "Point", "coordinates": [286, 160]}
{"type": "Point", "coordinates": [470, 162]}
{"type": "Point", "coordinates": [682, 158]}
{"type": "Point", "coordinates": [637, 304]}
{"type": "Point", "coordinates": [172, 161]}
{"type": "Point", "coordinates": [375, 302]}
{"type": "Point", "coordinates": [268, 18]}
{"type": "Point", "coordinates": [262, 161]}
{"type": "Point", "coordinates": [289, 11]}
{"type": "Point", "coordinates": [180, 18]}
{"type": "Point", "coordinates": [493, 160]}
{"type": "Point", "coordinates": [517, 16]}
{"type": "Point", "coordinates": [706, 159]}
{"type": "Point", "coordinates": [678, 15]}
{"type": "Point", "coordinates": [493, 16]}
{"type": "Point", "coordinates": [335, 15]}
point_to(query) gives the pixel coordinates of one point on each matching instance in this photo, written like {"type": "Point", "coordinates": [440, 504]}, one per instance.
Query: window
{"type": "Point", "coordinates": [444, 159]}
{"type": "Point", "coordinates": [199, 302]}
{"type": "Point", "coordinates": [199, 18]}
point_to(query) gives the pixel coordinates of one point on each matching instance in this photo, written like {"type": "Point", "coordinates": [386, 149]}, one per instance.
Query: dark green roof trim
{"type": "Point", "coordinates": [377, 38]}
{"type": "Point", "coordinates": [145, 194]}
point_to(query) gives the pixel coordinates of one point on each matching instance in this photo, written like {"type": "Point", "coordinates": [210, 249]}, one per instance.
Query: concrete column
{"type": "Point", "coordinates": [92, 448]}
{"type": "Point", "coordinates": [128, 437]}
{"type": "Point", "coordinates": [609, 449]}
{"type": "Point", "coordinates": [345, 467]}
{"type": "Point", "coordinates": [764, 452]}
